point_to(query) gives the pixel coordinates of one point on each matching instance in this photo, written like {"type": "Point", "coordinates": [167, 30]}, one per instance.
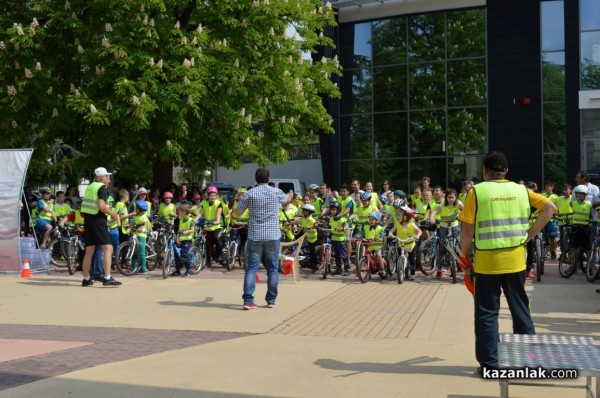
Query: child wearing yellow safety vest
{"type": "Point", "coordinates": [339, 226]}
{"type": "Point", "coordinates": [406, 228]}
{"type": "Point", "coordinates": [287, 218]}
{"type": "Point", "coordinates": [582, 214]}
{"type": "Point", "coordinates": [309, 226]}
{"type": "Point", "coordinates": [564, 210]}
{"type": "Point", "coordinates": [241, 222]}
{"type": "Point", "coordinates": [185, 236]}
{"type": "Point", "coordinates": [375, 234]}
{"type": "Point", "coordinates": [447, 213]}
{"type": "Point", "coordinates": [140, 220]}
{"type": "Point", "coordinates": [166, 209]}
{"type": "Point", "coordinates": [212, 211]}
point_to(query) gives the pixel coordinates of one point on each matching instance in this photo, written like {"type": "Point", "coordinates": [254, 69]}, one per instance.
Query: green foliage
{"type": "Point", "coordinates": [158, 80]}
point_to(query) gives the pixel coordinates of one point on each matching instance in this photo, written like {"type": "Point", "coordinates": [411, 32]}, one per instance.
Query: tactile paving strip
{"type": "Point", "coordinates": [373, 310]}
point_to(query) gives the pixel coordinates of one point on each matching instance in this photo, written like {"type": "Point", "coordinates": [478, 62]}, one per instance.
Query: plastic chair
{"type": "Point", "coordinates": [296, 254]}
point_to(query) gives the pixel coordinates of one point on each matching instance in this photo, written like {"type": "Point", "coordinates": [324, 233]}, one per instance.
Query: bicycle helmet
{"type": "Point", "coordinates": [314, 187]}
{"type": "Point", "coordinates": [398, 203]}
{"type": "Point", "coordinates": [581, 189]}
{"type": "Point", "coordinates": [168, 194]}
{"type": "Point", "coordinates": [141, 205]}
{"type": "Point", "coordinates": [44, 190]}
{"type": "Point", "coordinates": [376, 215]}
{"type": "Point", "coordinates": [365, 196]}
{"type": "Point", "coordinates": [408, 212]}
{"type": "Point", "coordinates": [400, 193]}
{"type": "Point", "coordinates": [142, 190]}
{"type": "Point", "coordinates": [335, 205]}
{"type": "Point", "coordinates": [212, 189]}
{"type": "Point", "coordinates": [382, 199]}
{"type": "Point", "coordinates": [196, 196]}
{"type": "Point", "coordinates": [241, 190]}
{"type": "Point", "coordinates": [308, 207]}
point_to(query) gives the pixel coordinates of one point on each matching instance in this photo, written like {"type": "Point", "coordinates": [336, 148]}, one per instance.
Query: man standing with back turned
{"type": "Point", "coordinates": [264, 235]}
{"type": "Point", "coordinates": [94, 209]}
{"type": "Point", "coordinates": [496, 214]}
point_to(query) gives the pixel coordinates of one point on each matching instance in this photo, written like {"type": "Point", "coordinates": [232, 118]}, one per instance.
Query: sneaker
{"type": "Point", "coordinates": [142, 273]}
{"type": "Point", "coordinates": [88, 282]}
{"type": "Point", "coordinates": [411, 277]}
{"type": "Point", "coordinates": [249, 306]}
{"type": "Point", "coordinates": [529, 273]}
{"type": "Point", "coordinates": [337, 272]}
{"type": "Point", "coordinates": [186, 274]}
{"type": "Point", "coordinates": [346, 273]}
{"type": "Point", "coordinates": [382, 274]}
{"type": "Point", "coordinates": [111, 282]}
{"type": "Point", "coordinates": [438, 274]}
{"type": "Point", "coordinates": [175, 273]}
{"type": "Point", "coordinates": [97, 278]}
{"type": "Point", "coordinates": [271, 304]}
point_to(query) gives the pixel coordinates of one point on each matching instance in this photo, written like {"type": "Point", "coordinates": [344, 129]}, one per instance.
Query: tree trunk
{"type": "Point", "coordinates": [162, 171]}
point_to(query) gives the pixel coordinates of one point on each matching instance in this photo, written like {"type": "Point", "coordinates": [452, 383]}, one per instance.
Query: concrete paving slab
{"type": "Point", "coordinates": [11, 349]}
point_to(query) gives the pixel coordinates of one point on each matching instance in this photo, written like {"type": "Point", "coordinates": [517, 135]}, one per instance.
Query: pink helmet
{"type": "Point", "coordinates": [168, 194]}
{"type": "Point", "coordinates": [212, 189]}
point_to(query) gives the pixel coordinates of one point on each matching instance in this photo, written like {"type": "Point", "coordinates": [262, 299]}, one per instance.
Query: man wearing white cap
{"type": "Point", "coordinates": [95, 209]}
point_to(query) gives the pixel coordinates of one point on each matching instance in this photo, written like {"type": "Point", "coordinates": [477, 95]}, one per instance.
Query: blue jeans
{"type": "Point", "coordinates": [487, 307]}
{"type": "Point", "coordinates": [114, 238]}
{"type": "Point", "coordinates": [256, 250]}
{"type": "Point", "coordinates": [183, 259]}
{"type": "Point", "coordinates": [98, 263]}
{"type": "Point", "coordinates": [340, 253]}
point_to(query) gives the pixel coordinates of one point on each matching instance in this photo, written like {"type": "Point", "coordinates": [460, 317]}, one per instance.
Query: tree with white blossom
{"type": "Point", "coordinates": [164, 81]}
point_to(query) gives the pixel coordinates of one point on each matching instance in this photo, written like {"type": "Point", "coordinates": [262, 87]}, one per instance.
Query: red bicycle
{"type": "Point", "coordinates": [369, 263]}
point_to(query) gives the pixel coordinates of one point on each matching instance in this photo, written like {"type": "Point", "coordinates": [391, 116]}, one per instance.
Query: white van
{"type": "Point", "coordinates": [287, 184]}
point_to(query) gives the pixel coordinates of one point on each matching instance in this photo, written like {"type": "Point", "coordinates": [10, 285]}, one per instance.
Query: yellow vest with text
{"type": "Point", "coordinates": [89, 204]}
{"type": "Point", "coordinates": [502, 217]}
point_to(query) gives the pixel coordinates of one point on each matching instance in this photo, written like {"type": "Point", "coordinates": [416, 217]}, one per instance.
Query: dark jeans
{"type": "Point", "coordinates": [184, 260]}
{"type": "Point", "coordinates": [340, 253]}
{"type": "Point", "coordinates": [487, 307]}
{"type": "Point", "coordinates": [213, 239]}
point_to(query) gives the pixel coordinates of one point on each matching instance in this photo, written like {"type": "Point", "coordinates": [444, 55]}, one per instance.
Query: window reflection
{"type": "Point", "coordinates": [434, 168]}
{"type": "Point", "coordinates": [390, 89]}
{"type": "Point", "coordinates": [427, 86]}
{"type": "Point", "coordinates": [466, 82]}
{"type": "Point", "coordinates": [427, 132]}
{"type": "Point", "coordinates": [390, 135]}
{"type": "Point", "coordinates": [553, 78]}
{"type": "Point", "coordinates": [389, 42]}
{"type": "Point", "coordinates": [589, 11]}
{"type": "Point", "coordinates": [553, 25]}
{"type": "Point", "coordinates": [358, 143]}
{"type": "Point", "coordinates": [466, 34]}
{"type": "Point", "coordinates": [393, 170]}
{"type": "Point", "coordinates": [555, 130]}
{"type": "Point", "coordinates": [362, 45]}
{"type": "Point", "coordinates": [466, 131]}
{"type": "Point", "coordinates": [356, 88]}
{"type": "Point", "coordinates": [363, 171]}
{"type": "Point", "coordinates": [426, 37]}
{"type": "Point", "coordinates": [590, 60]}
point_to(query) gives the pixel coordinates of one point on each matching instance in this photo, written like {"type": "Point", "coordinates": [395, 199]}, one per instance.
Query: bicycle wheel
{"type": "Point", "coordinates": [453, 269]}
{"type": "Point", "coordinates": [401, 267]}
{"type": "Point", "coordinates": [242, 259]}
{"type": "Point", "coordinates": [392, 261]}
{"type": "Point", "coordinates": [326, 260]}
{"type": "Point", "coordinates": [230, 255]}
{"type": "Point", "coordinates": [58, 258]}
{"type": "Point", "coordinates": [151, 254]}
{"type": "Point", "coordinates": [71, 255]}
{"type": "Point", "coordinates": [126, 253]}
{"type": "Point", "coordinates": [196, 259]}
{"type": "Point", "coordinates": [591, 272]}
{"type": "Point", "coordinates": [427, 257]}
{"type": "Point", "coordinates": [362, 270]}
{"type": "Point", "coordinates": [538, 259]}
{"type": "Point", "coordinates": [567, 263]}
{"type": "Point", "coordinates": [169, 259]}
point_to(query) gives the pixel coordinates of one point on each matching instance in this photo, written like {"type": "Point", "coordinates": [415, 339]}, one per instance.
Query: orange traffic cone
{"type": "Point", "coordinates": [257, 277]}
{"type": "Point", "coordinates": [25, 271]}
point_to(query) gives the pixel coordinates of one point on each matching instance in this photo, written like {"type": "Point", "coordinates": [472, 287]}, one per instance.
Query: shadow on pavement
{"type": "Point", "coordinates": [206, 303]}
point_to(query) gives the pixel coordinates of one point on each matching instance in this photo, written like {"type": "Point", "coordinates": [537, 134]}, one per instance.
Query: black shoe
{"type": "Point", "coordinates": [175, 273]}
{"type": "Point", "coordinates": [186, 274]}
{"type": "Point", "coordinates": [97, 278]}
{"type": "Point", "coordinates": [337, 272]}
{"type": "Point", "coordinates": [110, 282]}
{"type": "Point", "coordinates": [87, 282]}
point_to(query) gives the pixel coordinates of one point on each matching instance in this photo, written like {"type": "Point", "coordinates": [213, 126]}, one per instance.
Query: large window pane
{"type": "Point", "coordinates": [590, 14]}
{"type": "Point", "coordinates": [590, 60]}
{"type": "Point", "coordinates": [462, 167]}
{"type": "Point", "coordinates": [467, 131]}
{"type": "Point", "coordinates": [553, 25]}
{"type": "Point", "coordinates": [389, 42]}
{"type": "Point", "coordinates": [555, 131]}
{"type": "Point", "coordinates": [393, 170]}
{"type": "Point", "coordinates": [466, 34]}
{"type": "Point", "coordinates": [555, 170]}
{"type": "Point", "coordinates": [427, 133]}
{"type": "Point", "coordinates": [390, 89]}
{"type": "Point", "coordinates": [553, 77]}
{"type": "Point", "coordinates": [356, 87]}
{"type": "Point", "coordinates": [391, 135]}
{"type": "Point", "coordinates": [356, 43]}
{"type": "Point", "coordinates": [426, 37]}
{"type": "Point", "coordinates": [356, 137]}
{"type": "Point", "coordinates": [434, 168]}
{"type": "Point", "coordinates": [466, 82]}
{"type": "Point", "coordinates": [362, 171]}
{"type": "Point", "coordinates": [427, 86]}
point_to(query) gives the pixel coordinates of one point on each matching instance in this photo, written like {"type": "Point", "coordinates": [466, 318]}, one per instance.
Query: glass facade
{"type": "Point", "coordinates": [414, 98]}
{"type": "Point", "coordinates": [553, 93]}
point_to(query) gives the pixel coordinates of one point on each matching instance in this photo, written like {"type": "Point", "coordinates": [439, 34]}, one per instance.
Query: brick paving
{"type": "Point", "coordinates": [109, 345]}
{"type": "Point", "coordinates": [372, 310]}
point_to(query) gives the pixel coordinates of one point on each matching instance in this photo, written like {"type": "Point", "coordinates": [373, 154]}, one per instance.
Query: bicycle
{"type": "Point", "coordinates": [426, 256]}
{"type": "Point", "coordinates": [129, 251]}
{"type": "Point", "coordinates": [369, 263]}
{"type": "Point", "coordinates": [238, 251]}
{"type": "Point", "coordinates": [401, 258]}
{"type": "Point", "coordinates": [325, 250]}
{"type": "Point", "coordinates": [592, 271]}
{"type": "Point", "coordinates": [70, 245]}
{"type": "Point", "coordinates": [198, 249]}
{"type": "Point", "coordinates": [572, 255]}
{"type": "Point", "coordinates": [443, 259]}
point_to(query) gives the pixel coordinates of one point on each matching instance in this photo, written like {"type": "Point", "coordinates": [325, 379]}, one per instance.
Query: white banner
{"type": "Point", "coordinates": [13, 168]}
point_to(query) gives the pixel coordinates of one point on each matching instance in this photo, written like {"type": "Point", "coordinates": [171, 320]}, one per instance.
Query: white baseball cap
{"type": "Point", "coordinates": [101, 171]}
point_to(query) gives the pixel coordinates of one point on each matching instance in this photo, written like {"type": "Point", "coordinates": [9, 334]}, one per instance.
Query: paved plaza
{"type": "Point", "coordinates": [189, 337]}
